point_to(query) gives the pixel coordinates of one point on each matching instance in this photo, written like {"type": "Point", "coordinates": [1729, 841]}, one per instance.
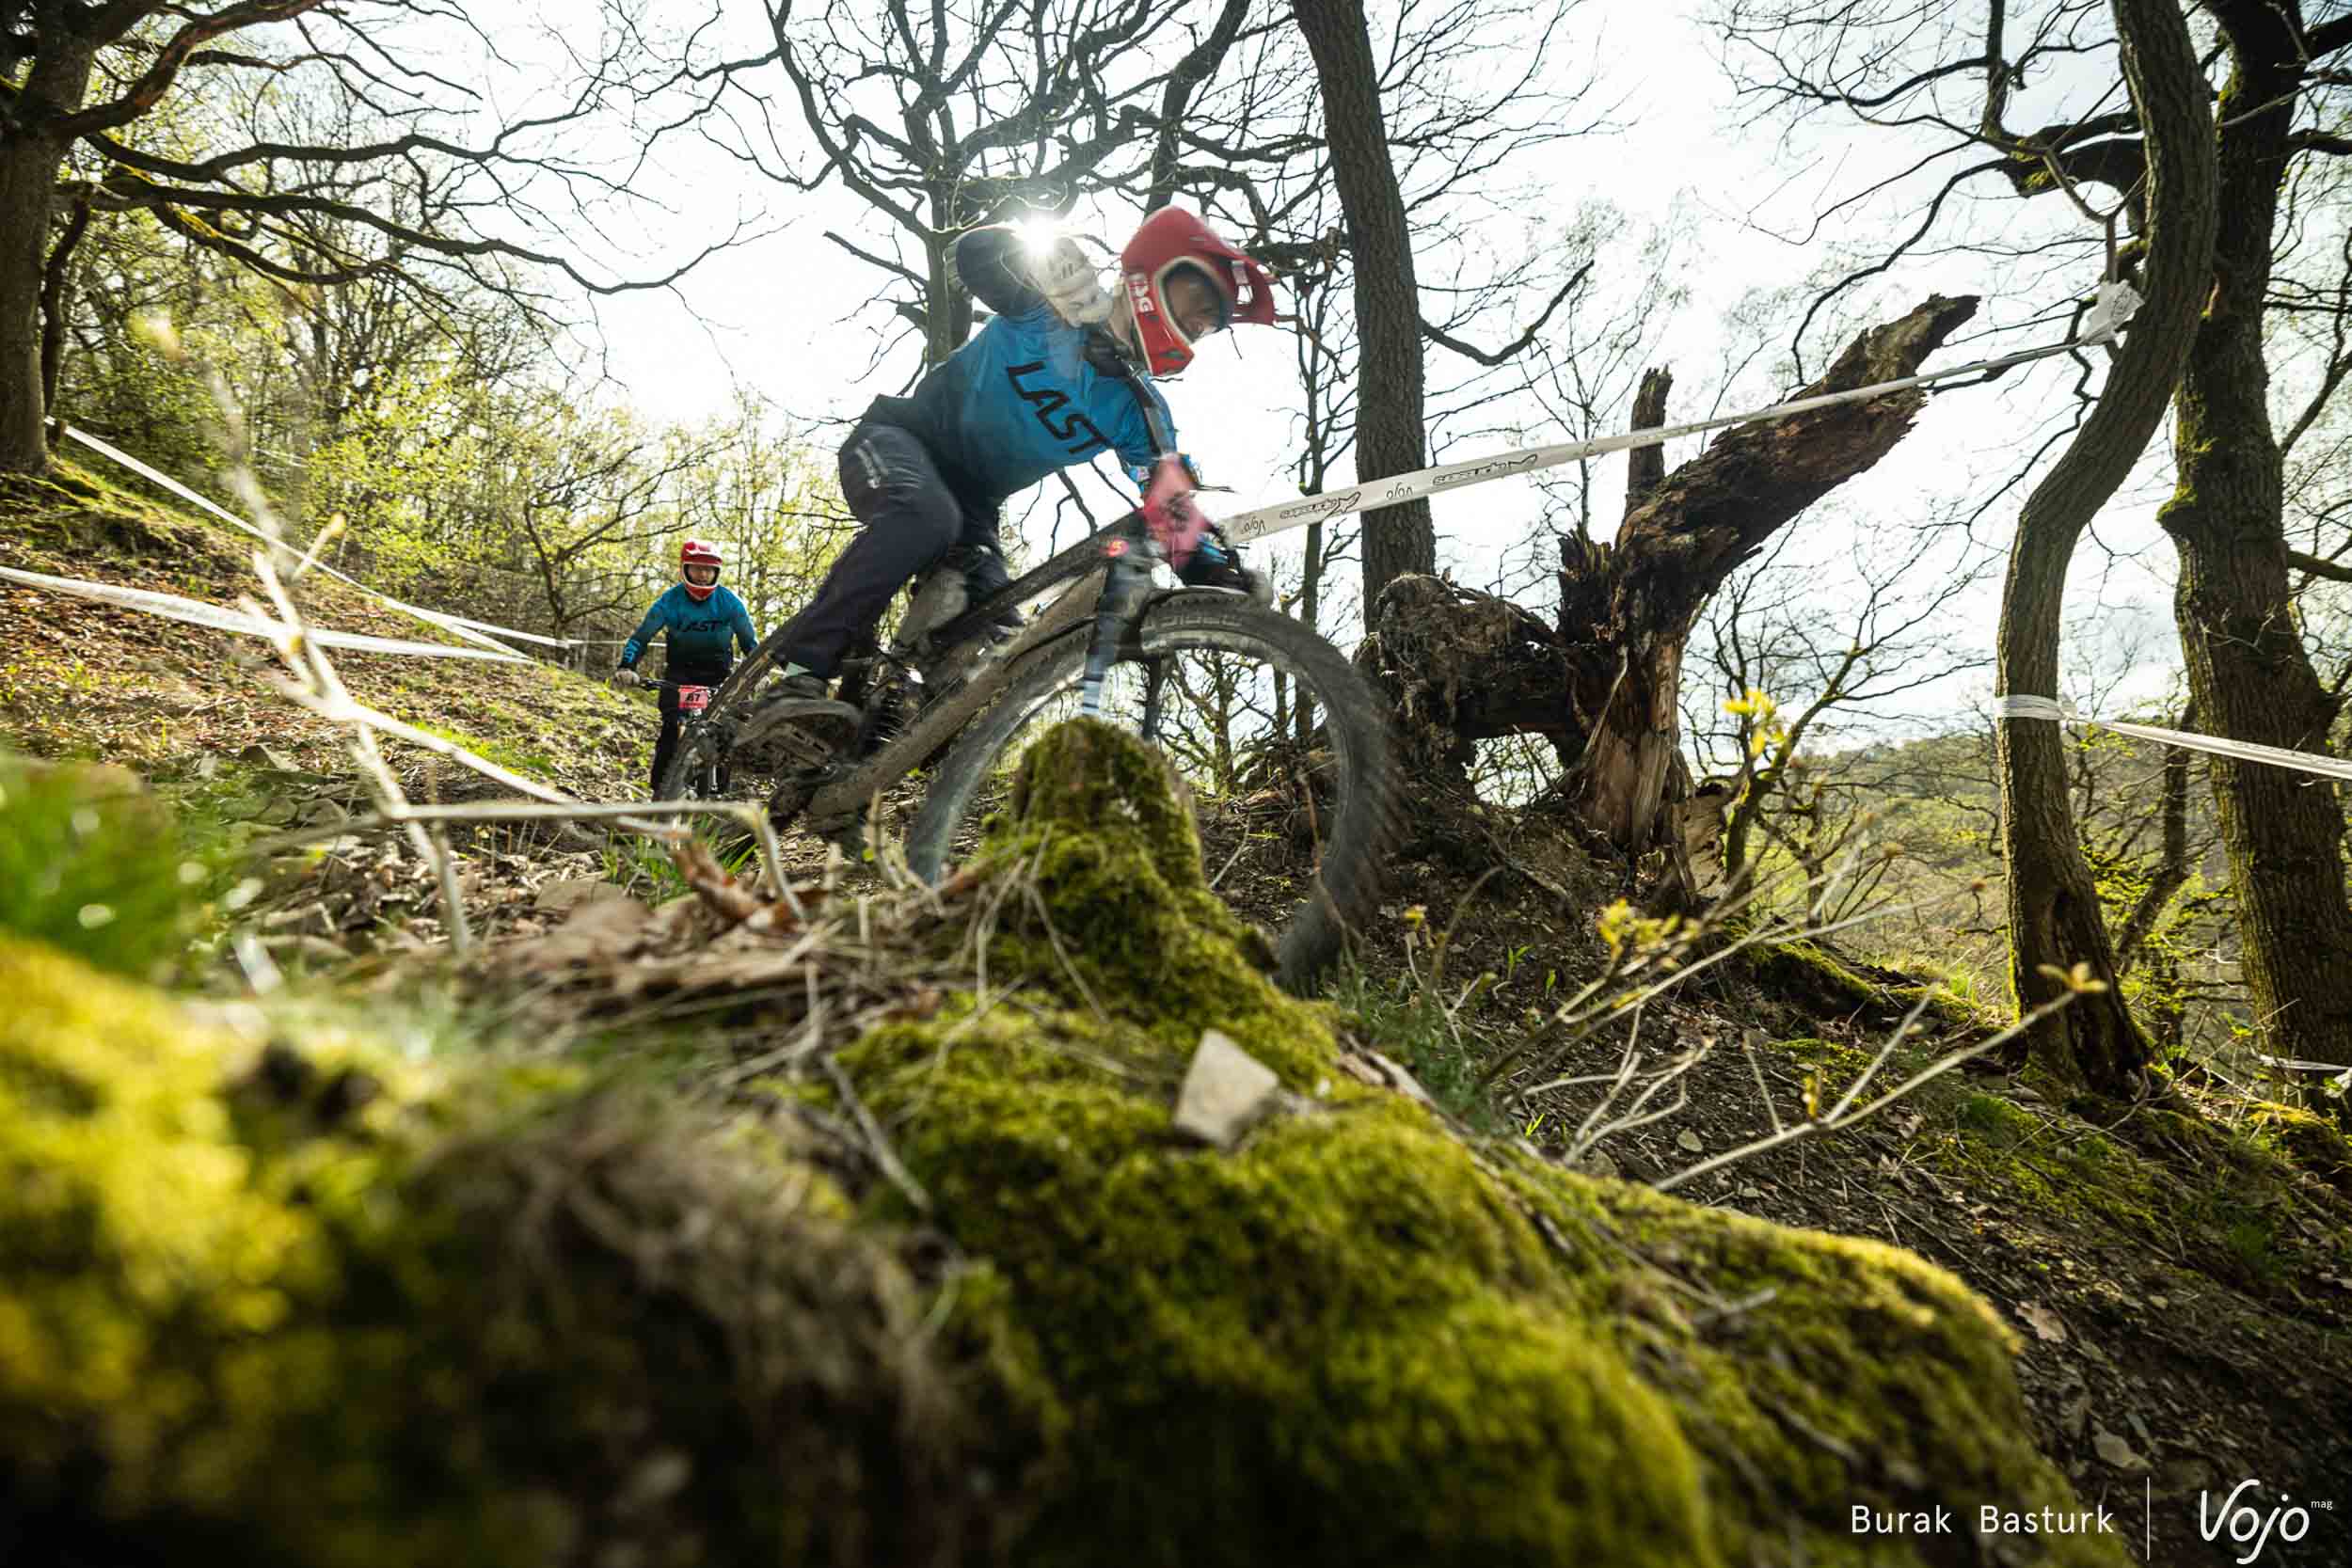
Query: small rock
{"type": "Point", "coordinates": [262, 756]}
{"type": "Point", "coordinates": [1688, 1142]}
{"type": "Point", "coordinates": [1599, 1164]}
{"type": "Point", "coordinates": [242, 807]}
{"type": "Point", "coordinates": [1225, 1091]}
{"type": "Point", "coordinates": [2115, 1452]}
{"type": "Point", "coordinates": [208, 765]}
{"type": "Point", "coordinates": [2074, 1410]}
{"type": "Point", "coordinates": [1751, 1191]}
{"type": "Point", "coordinates": [2183, 1475]}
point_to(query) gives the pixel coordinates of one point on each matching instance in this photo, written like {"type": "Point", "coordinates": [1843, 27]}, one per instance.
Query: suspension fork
{"type": "Point", "coordinates": [1154, 685]}
{"type": "Point", "coordinates": [1125, 588]}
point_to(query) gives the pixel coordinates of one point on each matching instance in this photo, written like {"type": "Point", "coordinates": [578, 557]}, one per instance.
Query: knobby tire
{"type": "Point", "coordinates": [1357, 840]}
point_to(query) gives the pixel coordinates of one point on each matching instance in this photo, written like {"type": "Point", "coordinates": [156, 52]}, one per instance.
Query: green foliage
{"type": "Point", "coordinates": [90, 862]}
{"type": "Point", "coordinates": [1406, 1021]}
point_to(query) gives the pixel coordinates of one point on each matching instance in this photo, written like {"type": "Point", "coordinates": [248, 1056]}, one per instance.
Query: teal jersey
{"type": "Point", "coordinates": [1020, 400]}
{"type": "Point", "coordinates": [699, 632]}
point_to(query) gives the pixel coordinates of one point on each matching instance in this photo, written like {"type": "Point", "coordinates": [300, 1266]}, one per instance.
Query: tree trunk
{"type": "Point", "coordinates": [29, 160]}
{"type": "Point", "coordinates": [1603, 685]}
{"type": "Point", "coordinates": [56, 276]}
{"type": "Point", "coordinates": [2054, 914]}
{"type": "Point", "coordinates": [1693, 529]}
{"type": "Point", "coordinates": [2248, 673]}
{"type": "Point", "coordinates": [28, 173]}
{"type": "Point", "coordinates": [1390, 438]}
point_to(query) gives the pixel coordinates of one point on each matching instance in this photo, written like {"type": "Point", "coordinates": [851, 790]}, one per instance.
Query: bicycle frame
{"type": "Point", "coordinates": [1090, 561]}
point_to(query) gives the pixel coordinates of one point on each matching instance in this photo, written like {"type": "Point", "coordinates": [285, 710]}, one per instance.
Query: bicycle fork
{"type": "Point", "coordinates": [1124, 588]}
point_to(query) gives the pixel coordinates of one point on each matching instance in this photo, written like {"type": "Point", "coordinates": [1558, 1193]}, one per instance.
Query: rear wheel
{"type": "Point", "coordinates": [1181, 637]}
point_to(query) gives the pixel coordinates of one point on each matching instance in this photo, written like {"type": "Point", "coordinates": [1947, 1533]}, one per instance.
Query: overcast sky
{"type": "Point", "coordinates": [786, 316]}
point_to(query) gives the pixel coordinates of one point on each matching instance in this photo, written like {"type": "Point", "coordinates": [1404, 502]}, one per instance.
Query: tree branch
{"type": "Point", "coordinates": [1520, 345]}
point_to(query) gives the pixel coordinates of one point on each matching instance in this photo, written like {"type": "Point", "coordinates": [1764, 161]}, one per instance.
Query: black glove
{"type": "Point", "coordinates": [1217, 564]}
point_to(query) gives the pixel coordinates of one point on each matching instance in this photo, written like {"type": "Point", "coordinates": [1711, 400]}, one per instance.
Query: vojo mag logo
{"type": "Point", "coordinates": [2244, 1524]}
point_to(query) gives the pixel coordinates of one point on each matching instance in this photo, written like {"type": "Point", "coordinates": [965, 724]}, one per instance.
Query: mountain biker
{"type": "Point", "coordinates": [703, 620]}
{"type": "Point", "coordinates": [1037, 389]}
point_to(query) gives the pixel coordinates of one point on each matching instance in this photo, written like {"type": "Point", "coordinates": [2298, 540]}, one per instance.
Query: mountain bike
{"type": "Point", "coordinates": [952, 695]}
{"type": "Point", "coordinates": [956, 692]}
{"type": "Point", "coordinates": [709, 782]}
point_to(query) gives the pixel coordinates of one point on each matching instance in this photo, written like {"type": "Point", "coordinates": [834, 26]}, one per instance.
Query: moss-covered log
{"type": "Point", "coordinates": [291, 1295]}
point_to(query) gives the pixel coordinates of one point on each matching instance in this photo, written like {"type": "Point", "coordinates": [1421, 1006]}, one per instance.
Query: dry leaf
{"type": "Point", "coordinates": [2043, 1321]}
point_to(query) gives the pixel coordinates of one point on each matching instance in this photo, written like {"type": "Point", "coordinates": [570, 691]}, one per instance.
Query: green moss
{"type": "Point", "coordinates": [1809, 972]}
{"type": "Point", "coordinates": [1839, 1061]}
{"type": "Point", "coordinates": [288, 1295]}
{"type": "Point", "coordinates": [91, 862]}
{"type": "Point", "coordinates": [2306, 1138]}
{"type": "Point", "coordinates": [1356, 1337]}
{"type": "Point", "coordinates": [2166, 1182]}
{"type": "Point", "coordinates": [314, 1305]}
{"type": "Point", "coordinates": [1997, 1123]}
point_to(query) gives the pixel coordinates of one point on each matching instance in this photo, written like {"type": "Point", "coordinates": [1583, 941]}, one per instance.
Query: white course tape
{"type": "Point", "coordinates": [457, 625]}
{"type": "Point", "coordinates": [2115, 304]}
{"type": "Point", "coordinates": [2218, 745]}
{"type": "Point", "coordinates": [198, 613]}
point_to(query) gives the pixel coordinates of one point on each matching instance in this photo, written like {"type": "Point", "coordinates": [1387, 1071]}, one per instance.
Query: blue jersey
{"type": "Point", "coordinates": [1019, 401]}
{"type": "Point", "coordinates": [699, 631]}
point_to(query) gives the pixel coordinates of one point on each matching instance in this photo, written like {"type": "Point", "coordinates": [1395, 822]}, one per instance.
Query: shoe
{"type": "Point", "coordinates": [1213, 565]}
{"type": "Point", "coordinates": [803, 687]}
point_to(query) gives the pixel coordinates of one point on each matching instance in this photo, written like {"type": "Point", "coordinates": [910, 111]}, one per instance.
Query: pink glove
{"type": "Point", "coordinates": [1170, 513]}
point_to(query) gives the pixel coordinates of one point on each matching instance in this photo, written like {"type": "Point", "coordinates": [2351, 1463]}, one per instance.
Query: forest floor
{"type": "Point", "coordinates": [2179, 1276]}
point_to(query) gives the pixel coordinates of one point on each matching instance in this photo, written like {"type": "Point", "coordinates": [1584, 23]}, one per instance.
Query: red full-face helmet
{"type": "Point", "coordinates": [1173, 240]}
{"type": "Point", "coordinates": [696, 552]}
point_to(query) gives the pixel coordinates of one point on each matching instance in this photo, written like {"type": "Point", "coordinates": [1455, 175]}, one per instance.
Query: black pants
{"type": "Point", "coordinates": [671, 719]}
{"type": "Point", "coordinates": [911, 520]}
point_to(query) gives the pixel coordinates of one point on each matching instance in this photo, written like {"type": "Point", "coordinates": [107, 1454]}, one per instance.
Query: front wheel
{"type": "Point", "coordinates": [1193, 645]}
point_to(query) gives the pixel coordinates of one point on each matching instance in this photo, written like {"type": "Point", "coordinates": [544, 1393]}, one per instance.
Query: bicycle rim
{"type": "Point", "coordinates": [1350, 842]}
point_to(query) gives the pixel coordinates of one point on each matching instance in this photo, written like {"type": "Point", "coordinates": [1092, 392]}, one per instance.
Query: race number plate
{"type": "Point", "coordinates": [692, 699]}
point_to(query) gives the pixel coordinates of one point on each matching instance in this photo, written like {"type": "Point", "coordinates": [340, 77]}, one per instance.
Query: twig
{"type": "Point", "coordinates": [1841, 1118]}
{"type": "Point", "coordinates": [878, 1145]}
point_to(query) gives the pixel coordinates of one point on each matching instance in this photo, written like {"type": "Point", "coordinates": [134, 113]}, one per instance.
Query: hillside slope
{"type": "Point", "coordinates": [86, 679]}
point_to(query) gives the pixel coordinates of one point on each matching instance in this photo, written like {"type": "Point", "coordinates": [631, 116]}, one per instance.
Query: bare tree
{"type": "Point", "coordinates": [78, 78]}
{"type": "Point", "coordinates": [2275, 116]}
{"type": "Point", "coordinates": [1390, 438]}
{"type": "Point", "coordinates": [1788, 675]}
{"type": "Point", "coordinates": [941, 117]}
